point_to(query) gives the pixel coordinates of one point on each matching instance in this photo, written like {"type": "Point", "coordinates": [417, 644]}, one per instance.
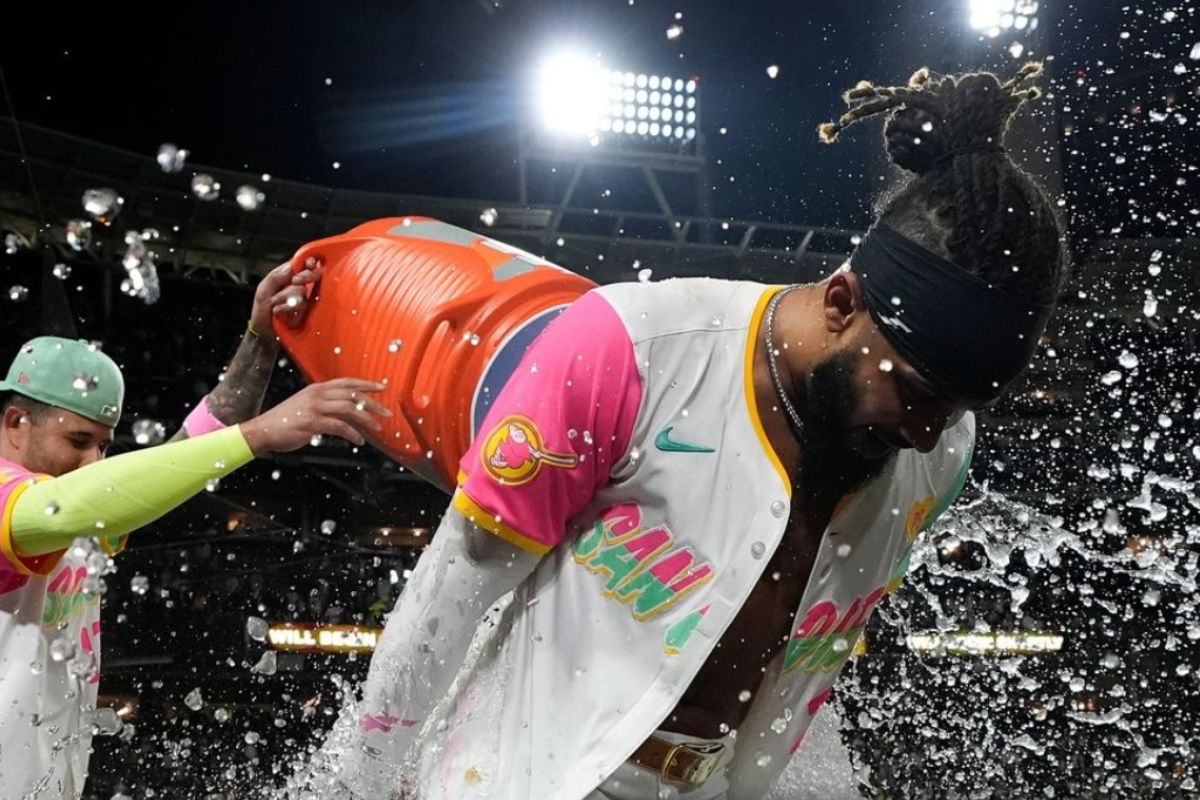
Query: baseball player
{"type": "Point", "coordinates": [64, 510]}
{"type": "Point", "coordinates": [688, 498]}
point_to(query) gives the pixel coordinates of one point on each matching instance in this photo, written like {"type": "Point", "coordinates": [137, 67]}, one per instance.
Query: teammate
{"type": "Point", "coordinates": [685, 503]}
{"type": "Point", "coordinates": [64, 511]}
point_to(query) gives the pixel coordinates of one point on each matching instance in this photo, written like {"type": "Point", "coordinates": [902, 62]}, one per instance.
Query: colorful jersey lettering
{"type": "Point", "coordinates": [44, 599]}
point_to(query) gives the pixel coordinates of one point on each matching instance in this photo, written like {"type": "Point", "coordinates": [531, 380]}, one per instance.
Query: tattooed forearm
{"type": "Point", "coordinates": [239, 397]}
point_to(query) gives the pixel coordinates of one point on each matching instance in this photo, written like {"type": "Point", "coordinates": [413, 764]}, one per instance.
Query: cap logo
{"type": "Point", "coordinates": [23, 378]}
{"type": "Point", "coordinates": [108, 411]}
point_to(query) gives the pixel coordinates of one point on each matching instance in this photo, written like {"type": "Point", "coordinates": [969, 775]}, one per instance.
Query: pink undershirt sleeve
{"type": "Point", "coordinates": [201, 420]}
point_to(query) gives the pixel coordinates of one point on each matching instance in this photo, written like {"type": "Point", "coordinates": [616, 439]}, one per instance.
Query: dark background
{"type": "Point", "coordinates": [428, 99]}
{"type": "Point", "coordinates": [426, 96]}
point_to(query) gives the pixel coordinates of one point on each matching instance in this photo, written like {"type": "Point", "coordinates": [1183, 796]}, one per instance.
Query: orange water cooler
{"type": "Point", "coordinates": [440, 314]}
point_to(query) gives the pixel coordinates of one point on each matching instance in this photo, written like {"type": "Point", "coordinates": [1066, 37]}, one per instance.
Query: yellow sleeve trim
{"type": "Point", "coordinates": [6, 543]}
{"type": "Point", "coordinates": [485, 519]}
{"type": "Point", "coordinates": [111, 549]}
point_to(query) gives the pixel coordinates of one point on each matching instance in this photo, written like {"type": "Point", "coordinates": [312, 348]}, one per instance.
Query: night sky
{"type": "Point", "coordinates": [426, 97]}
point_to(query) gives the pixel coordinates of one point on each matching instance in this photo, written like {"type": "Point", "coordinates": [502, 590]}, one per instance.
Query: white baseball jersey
{"type": "Point", "coordinates": [49, 660]}
{"type": "Point", "coordinates": [627, 448]}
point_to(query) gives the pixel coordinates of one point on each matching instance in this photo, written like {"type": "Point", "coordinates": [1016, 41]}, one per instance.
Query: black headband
{"type": "Point", "coordinates": [967, 337]}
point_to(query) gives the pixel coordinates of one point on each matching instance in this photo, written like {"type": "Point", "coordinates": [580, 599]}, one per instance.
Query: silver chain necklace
{"type": "Point", "coordinates": [793, 414]}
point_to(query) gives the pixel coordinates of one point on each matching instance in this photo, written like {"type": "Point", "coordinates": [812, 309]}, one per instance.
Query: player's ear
{"type": "Point", "coordinates": [843, 301]}
{"type": "Point", "coordinates": [15, 428]}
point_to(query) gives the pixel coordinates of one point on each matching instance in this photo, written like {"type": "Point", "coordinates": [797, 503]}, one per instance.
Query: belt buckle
{"type": "Point", "coordinates": [700, 772]}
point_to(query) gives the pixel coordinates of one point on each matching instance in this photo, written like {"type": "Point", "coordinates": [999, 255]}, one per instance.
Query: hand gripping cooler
{"type": "Point", "coordinates": [438, 313]}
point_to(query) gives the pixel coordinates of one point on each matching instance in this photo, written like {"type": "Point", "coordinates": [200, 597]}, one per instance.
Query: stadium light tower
{"type": "Point", "coordinates": [579, 98]}
{"type": "Point", "coordinates": [595, 131]}
{"type": "Point", "coordinates": [571, 95]}
{"type": "Point", "coordinates": [995, 17]}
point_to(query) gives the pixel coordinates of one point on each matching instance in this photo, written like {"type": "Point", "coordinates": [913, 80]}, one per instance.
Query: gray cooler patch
{"type": "Point", "coordinates": [434, 231]}
{"type": "Point", "coordinates": [511, 269]}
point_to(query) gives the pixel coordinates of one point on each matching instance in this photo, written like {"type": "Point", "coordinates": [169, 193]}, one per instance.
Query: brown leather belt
{"type": "Point", "coordinates": [679, 764]}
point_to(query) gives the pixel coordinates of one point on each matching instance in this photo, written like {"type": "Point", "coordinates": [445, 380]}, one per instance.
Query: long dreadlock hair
{"type": "Point", "coordinates": [964, 198]}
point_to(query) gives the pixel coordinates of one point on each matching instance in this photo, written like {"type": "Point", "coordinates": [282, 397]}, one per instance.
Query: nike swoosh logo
{"type": "Point", "coordinates": [664, 442]}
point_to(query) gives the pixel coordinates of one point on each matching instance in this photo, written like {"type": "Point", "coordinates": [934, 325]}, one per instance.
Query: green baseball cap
{"type": "Point", "coordinates": [70, 374]}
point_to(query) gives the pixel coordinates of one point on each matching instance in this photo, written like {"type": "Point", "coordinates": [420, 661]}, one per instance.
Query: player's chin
{"type": "Point", "coordinates": [873, 443]}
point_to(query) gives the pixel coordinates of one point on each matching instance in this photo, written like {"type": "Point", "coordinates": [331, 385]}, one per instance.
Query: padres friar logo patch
{"type": "Point", "coordinates": [514, 452]}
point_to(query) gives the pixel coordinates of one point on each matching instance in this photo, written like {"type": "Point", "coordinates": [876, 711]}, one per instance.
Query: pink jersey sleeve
{"type": "Point", "coordinates": [558, 426]}
{"type": "Point", "coordinates": [16, 569]}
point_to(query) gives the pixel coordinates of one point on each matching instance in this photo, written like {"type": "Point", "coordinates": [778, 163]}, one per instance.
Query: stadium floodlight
{"type": "Point", "coordinates": [995, 17]}
{"type": "Point", "coordinates": [572, 94]}
{"type": "Point", "coordinates": [579, 98]}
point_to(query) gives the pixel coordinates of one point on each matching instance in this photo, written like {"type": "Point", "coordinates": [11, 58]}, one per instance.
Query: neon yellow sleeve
{"type": "Point", "coordinates": [112, 497]}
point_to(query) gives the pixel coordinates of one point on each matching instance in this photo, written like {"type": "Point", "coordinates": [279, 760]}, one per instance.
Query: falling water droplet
{"type": "Point", "coordinates": [61, 650]}
{"type": "Point", "coordinates": [205, 187]}
{"type": "Point", "coordinates": [256, 628]}
{"type": "Point", "coordinates": [171, 158]}
{"type": "Point", "coordinates": [267, 665]}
